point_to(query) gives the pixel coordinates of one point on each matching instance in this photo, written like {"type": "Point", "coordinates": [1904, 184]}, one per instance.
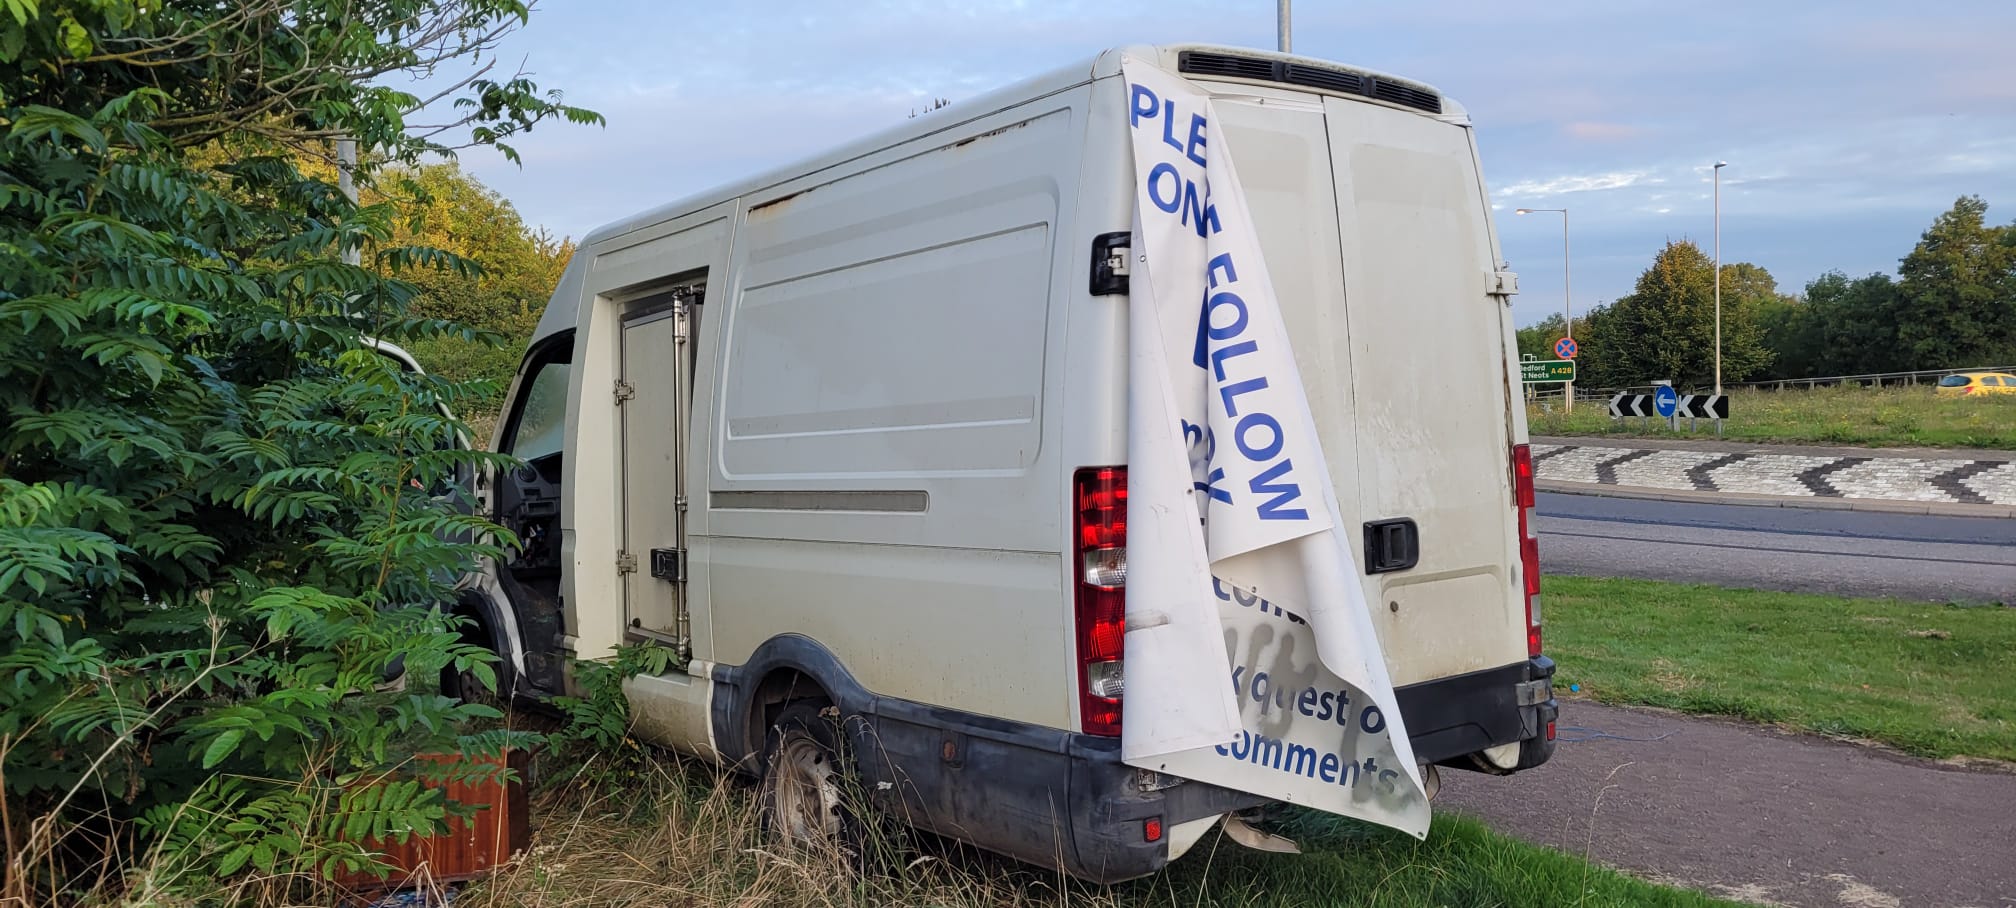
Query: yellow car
{"type": "Point", "coordinates": [1978, 383]}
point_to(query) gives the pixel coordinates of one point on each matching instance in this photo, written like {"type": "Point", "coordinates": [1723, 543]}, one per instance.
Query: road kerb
{"type": "Point", "coordinates": [1747, 499]}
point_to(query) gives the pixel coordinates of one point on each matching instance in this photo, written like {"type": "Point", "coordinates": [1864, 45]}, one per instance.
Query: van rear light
{"type": "Point", "coordinates": [1524, 495]}
{"type": "Point", "coordinates": [1522, 476]}
{"type": "Point", "coordinates": [1100, 495]}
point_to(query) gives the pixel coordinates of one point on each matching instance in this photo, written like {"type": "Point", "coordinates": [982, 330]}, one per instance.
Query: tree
{"type": "Point", "coordinates": [1538, 338]}
{"type": "Point", "coordinates": [442, 207]}
{"type": "Point", "coordinates": [222, 514]}
{"type": "Point", "coordinates": [1960, 285]}
{"type": "Point", "coordinates": [1665, 329]}
{"type": "Point", "coordinates": [1792, 334]}
{"type": "Point", "coordinates": [1856, 323]}
{"type": "Point", "coordinates": [1745, 281]}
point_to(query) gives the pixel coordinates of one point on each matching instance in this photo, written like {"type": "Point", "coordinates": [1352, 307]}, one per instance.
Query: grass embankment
{"type": "Point", "coordinates": [689, 837]}
{"type": "Point", "coordinates": [1871, 417]}
{"type": "Point", "coordinates": [1932, 680]}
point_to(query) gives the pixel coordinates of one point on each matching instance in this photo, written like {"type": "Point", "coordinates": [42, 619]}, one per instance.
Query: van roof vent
{"type": "Point", "coordinates": [1341, 81]}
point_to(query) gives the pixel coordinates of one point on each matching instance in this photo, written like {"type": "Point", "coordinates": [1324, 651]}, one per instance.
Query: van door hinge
{"type": "Point", "coordinates": [626, 563]}
{"type": "Point", "coordinates": [624, 390]}
{"type": "Point", "coordinates": [1505, 284]}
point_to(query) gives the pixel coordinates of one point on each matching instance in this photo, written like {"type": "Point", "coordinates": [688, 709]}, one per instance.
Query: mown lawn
{"type": "Point", "coordinates": [1872, 417]}
{"type": "Point", "coordinates": [1933, 680]}
{"type": "Point", "coordinates": [1462, 863]}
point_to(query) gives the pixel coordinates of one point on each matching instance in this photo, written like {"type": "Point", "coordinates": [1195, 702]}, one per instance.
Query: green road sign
{"type": "Point", "coordinates": [1537, 372]}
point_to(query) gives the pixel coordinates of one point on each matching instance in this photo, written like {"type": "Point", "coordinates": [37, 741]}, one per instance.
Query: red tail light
{"type": "Point", "coordinates": [1523, 496]}
{"type": "Point", "coordinates": [1100, 495]}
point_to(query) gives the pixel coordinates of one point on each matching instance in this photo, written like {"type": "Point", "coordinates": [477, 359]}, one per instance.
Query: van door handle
{"type": "Point", "coordinates": [1391, 545]}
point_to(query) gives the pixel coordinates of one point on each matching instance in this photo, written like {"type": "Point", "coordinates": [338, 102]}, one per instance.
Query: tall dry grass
{"type": "Point", "coordinates": [690, 835]}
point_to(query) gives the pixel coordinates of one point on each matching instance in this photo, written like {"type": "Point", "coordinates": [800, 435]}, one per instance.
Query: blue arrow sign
{"type": "Point", "coordinates": [1665, 399]}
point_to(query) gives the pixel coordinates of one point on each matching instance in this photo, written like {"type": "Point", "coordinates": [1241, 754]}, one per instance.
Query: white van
{"type": "Point", "coordinates": [824, 434]}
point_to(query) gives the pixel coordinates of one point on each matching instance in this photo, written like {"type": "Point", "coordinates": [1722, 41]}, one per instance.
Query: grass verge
{"type": "Point", "coordinates": [1870, 417]}
{"type": "Point", "coordinates": [689, 837]}
{"type": "Point", "coordinates": [1932, 680]}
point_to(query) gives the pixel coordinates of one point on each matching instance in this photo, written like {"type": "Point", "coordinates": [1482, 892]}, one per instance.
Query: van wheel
{"type": "Point", "coordinates": [801, 796]}
{"type": "Point", "coordinates": [465, 687]}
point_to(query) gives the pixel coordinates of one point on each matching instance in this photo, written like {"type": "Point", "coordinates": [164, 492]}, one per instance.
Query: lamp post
{"type": "Point", "coordinates": [346, 180]}
{"type": "Point", "coordinates": [1281, 23]}
{"type": "Point", "coordinates": [1567, 297]}
{"type": "Point", "coordinates": [1718, 275]}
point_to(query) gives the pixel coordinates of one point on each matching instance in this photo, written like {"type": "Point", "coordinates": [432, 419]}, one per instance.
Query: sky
{"type": "Point", "coordinates": [1848, 125]}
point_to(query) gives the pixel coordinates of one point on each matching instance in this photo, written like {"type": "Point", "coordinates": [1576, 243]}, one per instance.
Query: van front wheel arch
{"type": "Point", "coordinates": [478, 629]}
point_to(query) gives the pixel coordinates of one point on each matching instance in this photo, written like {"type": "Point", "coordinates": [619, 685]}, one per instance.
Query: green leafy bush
{"type": "Point", "coordinates": [229, 525]}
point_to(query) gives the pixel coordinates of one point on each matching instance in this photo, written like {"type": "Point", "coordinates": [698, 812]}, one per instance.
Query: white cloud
{"type": "Point", "coordinates": [1598, 182]}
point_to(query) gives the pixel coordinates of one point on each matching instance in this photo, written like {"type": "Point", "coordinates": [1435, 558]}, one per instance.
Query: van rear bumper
{"type": "Point", "coordinates": [1044, 795]}
{"type": "Point", "coordinates": [1041, 795]}
{"type": "Point", "coordinates": [1059, 799]}
{"type": "Point", "coordinates": [1450, 719]}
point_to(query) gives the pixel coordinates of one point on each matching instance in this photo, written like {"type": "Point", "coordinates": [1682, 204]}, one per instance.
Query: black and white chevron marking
{"type": "Point", "coordinates": [1953, 482]}
{"type": "Point", "coordinates": [1689, 406]}
{"type": "Point", "coordinates": [1701, 474]}
{"type": "Point", "coordinates": [1815, 479]}
{"type": "Point", "coordinates": [1606, 470]}
{"type": "Point", "coordinates": [1703, 406]}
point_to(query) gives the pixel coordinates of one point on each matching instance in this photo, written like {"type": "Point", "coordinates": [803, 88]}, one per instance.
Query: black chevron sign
{"type": "Point", "coordinates": [1703, 406]}
{"type": "Point", "coordinates": [1630, 405]}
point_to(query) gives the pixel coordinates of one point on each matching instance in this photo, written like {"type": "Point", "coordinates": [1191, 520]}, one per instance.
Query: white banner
{"type": "Point", "coordinates": [1263, 592]}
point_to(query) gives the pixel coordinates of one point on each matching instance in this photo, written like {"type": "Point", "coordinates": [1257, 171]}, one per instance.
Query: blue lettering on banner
{"type": "Point", "coordinates": [1182, 186]}
{"type": "Point", "coordinates": [1272, 509]}
{"type": "Point", "coordinates": [1222, 324]}
{"type": "Point", "coordinates": [1184, 196]}
{"type": "Point", "coordinates": [1196, 436]}
{"type": "Point", "coordinates": [1196, 140]}
{"type": "Point", "coordinates": [1309, 702]}
{"type": "Point", "coordinates": [1168, 124]}
{"type": "Point", "coordinates": [1308, 762]}
{"type": "Point", "coordinates": [1243, 433]}
{"type": "Point", "coordinates": [1301, 759]}
{"type": "Point", "coordinates": [1144, 104]}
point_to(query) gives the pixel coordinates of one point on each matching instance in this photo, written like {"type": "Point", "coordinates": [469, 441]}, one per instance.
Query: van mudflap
{"type": "Point", "coordinates": [1448, 719]}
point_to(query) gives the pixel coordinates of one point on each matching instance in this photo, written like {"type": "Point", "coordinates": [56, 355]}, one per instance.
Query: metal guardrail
{"type": "Point", "coordinates": [1875, 379]}
{"type": "Point", "coordinates": [1870, 379]}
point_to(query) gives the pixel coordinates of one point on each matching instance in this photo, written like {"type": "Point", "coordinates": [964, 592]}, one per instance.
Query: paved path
{"type": "Point", "coordinates": [1846, 553]}
{"type": "Point", "coordinates": [1924, 476]}
{"type": "Point", "coordinates": [1758, 814]}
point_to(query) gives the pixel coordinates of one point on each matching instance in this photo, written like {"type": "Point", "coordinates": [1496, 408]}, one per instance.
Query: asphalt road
{"type": "Point", "coordinates": [1850, 553]}
{"type": "Point", "coordinates": [1758, 814]}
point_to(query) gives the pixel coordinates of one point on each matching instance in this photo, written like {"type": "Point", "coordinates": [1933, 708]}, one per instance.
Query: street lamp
{"type": "Point", "coordinates": [1567, 287]}
{"type": "Point", "coordinates": [1718, 275]}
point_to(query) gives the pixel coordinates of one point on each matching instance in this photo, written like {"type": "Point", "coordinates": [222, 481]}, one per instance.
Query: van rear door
{"type": "Point", "coordinates": [1375, 227]}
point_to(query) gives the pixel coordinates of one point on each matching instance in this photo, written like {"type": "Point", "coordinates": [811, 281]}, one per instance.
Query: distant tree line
{"type": "Point", "coordinates": [1952, 305]}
